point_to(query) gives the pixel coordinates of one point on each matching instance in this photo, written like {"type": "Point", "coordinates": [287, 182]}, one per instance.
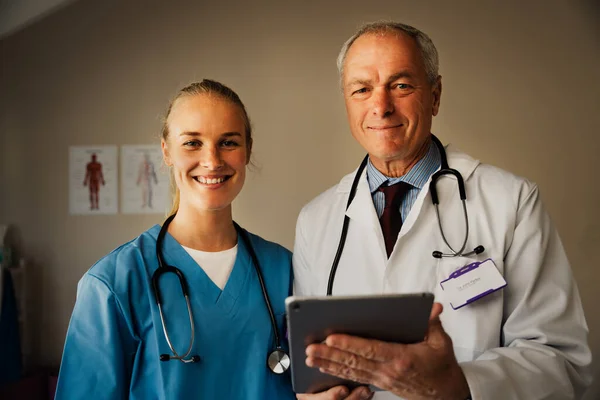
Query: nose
{"type": "Point", "coordinates": [382, 105]}
{"type": "Point", "coordinates": [211, 158]}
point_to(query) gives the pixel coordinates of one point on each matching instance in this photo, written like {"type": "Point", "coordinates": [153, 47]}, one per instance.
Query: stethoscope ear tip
{"type": "Point", "coordinates": [437, 254]}
{"type": "Point", "coordinates": [165, 357]}
{"type": "Point", "coordinates": [196, 359]}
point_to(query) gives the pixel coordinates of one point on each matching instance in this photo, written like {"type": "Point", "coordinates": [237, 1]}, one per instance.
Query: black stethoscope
{"type": "Point", "coordinates": [278, 360]}
{"type": "Point", "coordinates": [444, 170]}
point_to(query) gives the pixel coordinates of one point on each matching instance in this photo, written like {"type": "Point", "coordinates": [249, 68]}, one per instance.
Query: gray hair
{"type": "Point", "coordinates": [424, 43]}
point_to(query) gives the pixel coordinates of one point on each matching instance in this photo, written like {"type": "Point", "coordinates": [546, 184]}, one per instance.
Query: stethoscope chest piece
{"type": "Point", "coordinates": [278, 361]}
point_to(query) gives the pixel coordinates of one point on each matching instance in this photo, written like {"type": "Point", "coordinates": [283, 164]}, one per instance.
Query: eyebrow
{"type": "Point", "coordinates": [395, 77]}
{"type": "Point", "coordinates": [226, 134]}
{"type": "Point", "coordinates": [399, 75]}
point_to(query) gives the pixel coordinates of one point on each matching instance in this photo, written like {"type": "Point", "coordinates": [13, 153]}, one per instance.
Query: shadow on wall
{"type": "Point", "coordinates": [593, 7]}
{"type": "Point", "coordinates": [21, 376]}
{"type": "Point", "coordinates": [594, 392]}
{"type": "Point", "coordinates": [40, 386]}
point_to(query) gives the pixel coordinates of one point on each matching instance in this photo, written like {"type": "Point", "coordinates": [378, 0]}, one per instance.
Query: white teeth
{"type": "Point", "coordinates": [209, 181]}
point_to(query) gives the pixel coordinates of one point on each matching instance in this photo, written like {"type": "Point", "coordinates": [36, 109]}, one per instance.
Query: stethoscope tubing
{"type": "Point", "coordinates": [444, 170]}
{"type": "Point", "coordinates": [263, 287]}
{"type": "Point", "coordinates": [278, 353]}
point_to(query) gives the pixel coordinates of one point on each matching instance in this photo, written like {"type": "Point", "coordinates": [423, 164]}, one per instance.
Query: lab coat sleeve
{"type": "Point", "coordinates": [305, 283]}
{"type": "Point", "coordinates": [99, 348]}
{"type": "Point", "coordinates": [545, 354]}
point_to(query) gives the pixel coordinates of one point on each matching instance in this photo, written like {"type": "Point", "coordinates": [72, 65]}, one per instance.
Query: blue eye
{"type": "Point", "coordinates": [403, 86]}
{"type": "Point", "coordinates": [229, 143]}
{"type": "Point", "coordinates": [192, 143]}
{"type": "Point", "coordinates": [359, 91]}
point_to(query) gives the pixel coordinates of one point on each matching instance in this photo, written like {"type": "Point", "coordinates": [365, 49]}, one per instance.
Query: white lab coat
{"type": "Point", "coordinates": [526, 341]}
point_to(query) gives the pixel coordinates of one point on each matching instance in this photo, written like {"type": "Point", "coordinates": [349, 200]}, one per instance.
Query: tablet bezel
{"type": "Point", "coordinates": [312, 319]}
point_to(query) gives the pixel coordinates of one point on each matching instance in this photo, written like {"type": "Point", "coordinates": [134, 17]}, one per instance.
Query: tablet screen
{"type": "Point", "coordinates": [401, 318]}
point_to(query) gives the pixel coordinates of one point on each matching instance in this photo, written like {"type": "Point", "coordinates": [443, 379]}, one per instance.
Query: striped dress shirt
{"type": "Point", "coordinates": [416, 177]}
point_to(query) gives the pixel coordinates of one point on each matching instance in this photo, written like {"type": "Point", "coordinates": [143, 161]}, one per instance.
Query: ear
{"type": "Point", "coordinates": [437, 94]}
{"type": "Point", "coordinates": [165, 153]}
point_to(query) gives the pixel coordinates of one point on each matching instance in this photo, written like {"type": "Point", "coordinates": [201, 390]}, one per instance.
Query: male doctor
{"type": "Point", "coordinates": [527, 340]}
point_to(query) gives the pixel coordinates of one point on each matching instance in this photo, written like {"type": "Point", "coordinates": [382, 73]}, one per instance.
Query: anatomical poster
{"type": "Point", "coordinates": [93, 184]}
{"type": "Point", "coordinates": [144, 180]}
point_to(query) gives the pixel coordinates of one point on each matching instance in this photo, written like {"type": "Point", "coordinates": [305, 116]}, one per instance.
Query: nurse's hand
{"type": "Point", "coordinates": [339, 393]}
{"type": "Point", "coordinates": [422, 370]}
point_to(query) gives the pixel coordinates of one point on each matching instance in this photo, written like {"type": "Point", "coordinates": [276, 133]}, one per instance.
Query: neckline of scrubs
{"type": "Point", "coordinates": [200, 287]}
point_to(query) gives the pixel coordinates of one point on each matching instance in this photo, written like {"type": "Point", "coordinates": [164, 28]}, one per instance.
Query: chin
{"type": "Point", "coordinates": [388, 154]}
{"type": "Point", "coordinates": [214, 207]}
{"type": "Point", "coordinates": [213, 204]}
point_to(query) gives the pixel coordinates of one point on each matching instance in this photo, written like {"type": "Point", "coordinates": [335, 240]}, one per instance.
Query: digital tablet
{"type": "Point", "coordinates": [401, 318]}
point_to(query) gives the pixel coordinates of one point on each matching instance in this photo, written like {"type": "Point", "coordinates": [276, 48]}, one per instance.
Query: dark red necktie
{"type": "Point", "coordinates": [391, 219]}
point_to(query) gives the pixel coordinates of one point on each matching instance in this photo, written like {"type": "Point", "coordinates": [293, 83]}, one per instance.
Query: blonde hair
{"type": "Point", "coordinates": [208, 87]}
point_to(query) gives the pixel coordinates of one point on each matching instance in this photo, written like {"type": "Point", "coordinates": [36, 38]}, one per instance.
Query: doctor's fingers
{"type": "Point", "coordinates": [361, 393]}
{"type": "Point", "coordinates": [436, 310]}
{"type": "Point", "coordinates": [343, 371]}
{"type": "Point", "coordinates": [342, 361]}
{"type": "Point", "coordinates": [436, 337]}
{"type": "Point", "coordinates": [434, 318]}
{"type": "Point", "coordinates": [339, 393]}
{"type": "Point", "coordinates": [371, 349]}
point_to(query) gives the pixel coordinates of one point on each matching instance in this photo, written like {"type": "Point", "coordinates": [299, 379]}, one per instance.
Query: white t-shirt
{"type": "Point", "coordinates": [217, 265]}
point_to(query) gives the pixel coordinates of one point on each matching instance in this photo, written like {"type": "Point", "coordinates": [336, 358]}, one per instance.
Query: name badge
{"type": "Point", "coordinates": [472, 282]}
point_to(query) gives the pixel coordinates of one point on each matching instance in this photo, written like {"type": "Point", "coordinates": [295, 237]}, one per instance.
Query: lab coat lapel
{"type": "Point", "coordinates": [447, 186]}
{"type": "Point", "coordinates": [416, 209]}
{"type": "Point", "coordinates": [363, 215]}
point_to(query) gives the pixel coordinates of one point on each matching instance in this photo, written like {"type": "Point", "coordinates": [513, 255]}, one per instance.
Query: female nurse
{"type": "Point", "coordinates": [121, 345]}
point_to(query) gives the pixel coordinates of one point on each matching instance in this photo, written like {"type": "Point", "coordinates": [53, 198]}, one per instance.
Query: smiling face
{"type": "Point", "coordinates": [389, 100]}
{"type": "Point", "coordinates": [208, 151]}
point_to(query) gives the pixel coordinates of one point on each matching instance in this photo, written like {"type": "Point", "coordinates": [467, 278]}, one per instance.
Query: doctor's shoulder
{"type": "Point", "coordinates": [489, 181]}
{"type": "Point", "coordinates": [498, 183]}
{"type": "Point", "coordinates": [331, 200]}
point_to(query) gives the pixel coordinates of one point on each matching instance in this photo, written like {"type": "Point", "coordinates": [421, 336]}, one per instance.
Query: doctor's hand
{"type": "Point", "coordinates": [425, 370]}
{"type": "Point", "coordinates": [339, 393]}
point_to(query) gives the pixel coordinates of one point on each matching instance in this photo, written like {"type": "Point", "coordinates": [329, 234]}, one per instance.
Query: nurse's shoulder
{"type": "Point", "coordinates": [129, 265]}
{"type": "Point", "coordinates": [269, 250]}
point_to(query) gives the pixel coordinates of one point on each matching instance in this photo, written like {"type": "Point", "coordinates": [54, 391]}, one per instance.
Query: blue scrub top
{"type": "Point", "coordinates": [115, 336]}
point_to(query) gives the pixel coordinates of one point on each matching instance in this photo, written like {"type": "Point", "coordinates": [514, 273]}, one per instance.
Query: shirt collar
{"type": "Point", "coordinates": [417, 176]}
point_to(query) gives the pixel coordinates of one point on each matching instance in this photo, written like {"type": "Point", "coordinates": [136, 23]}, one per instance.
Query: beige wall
{"type": "Point", "coordinates": [521, 88]}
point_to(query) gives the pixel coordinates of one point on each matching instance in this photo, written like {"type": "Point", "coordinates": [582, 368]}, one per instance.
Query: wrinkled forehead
{"type": "Point", "coordinates": [386, 52]}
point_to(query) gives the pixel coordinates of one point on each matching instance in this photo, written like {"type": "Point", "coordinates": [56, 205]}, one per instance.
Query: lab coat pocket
{"type": "Point", "coordinates": [476, 326]}
{"type": "Point", "coordinates": [447, 265]}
